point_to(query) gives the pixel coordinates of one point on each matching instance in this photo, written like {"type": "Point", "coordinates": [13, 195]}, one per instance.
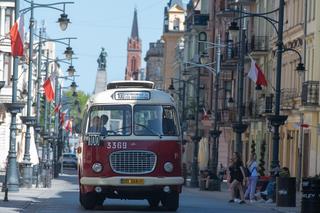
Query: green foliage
{"type": "Point", "coordinates": [77, 105]}
{"type": "Point", "coordinates": [262, 154]}
{"type": "Point", "coordinates": [253, 147]}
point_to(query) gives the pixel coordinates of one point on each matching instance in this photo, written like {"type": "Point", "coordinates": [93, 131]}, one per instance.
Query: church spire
{"type": "Point", "coordinates": [134, 29]}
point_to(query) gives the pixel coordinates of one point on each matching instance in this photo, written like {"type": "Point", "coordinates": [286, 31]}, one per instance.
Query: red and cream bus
{"type": "Point", "coordinates": [130, 146]}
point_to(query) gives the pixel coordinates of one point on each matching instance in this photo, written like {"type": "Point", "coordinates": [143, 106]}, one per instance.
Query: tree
{"type": "Point", "coordinates": [253, 147]}
{"type": "Point", "coordinates": [77, 104]}
{"type": "Point", "coordinates": [262, 162]}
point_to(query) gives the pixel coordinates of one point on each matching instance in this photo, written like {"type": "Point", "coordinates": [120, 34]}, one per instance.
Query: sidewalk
{"type": "Point", "coordinates": [19, 201]}
{"type": "Point", "coordinates": [224, 196]}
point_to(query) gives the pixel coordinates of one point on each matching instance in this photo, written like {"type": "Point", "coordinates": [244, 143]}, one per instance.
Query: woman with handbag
{"type": "Point", "coordinates": [238, 179]}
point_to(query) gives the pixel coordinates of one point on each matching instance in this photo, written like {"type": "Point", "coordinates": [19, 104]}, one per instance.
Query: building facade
{"type": "Point", "coordinates": [154, 63]}
{"type": "Point", "coordinates": [173, 29]}
{"type": "Point", "coordinates": [6, 70]}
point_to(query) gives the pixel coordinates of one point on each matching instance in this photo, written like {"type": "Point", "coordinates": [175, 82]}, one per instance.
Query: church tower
{"type": "Point", "coordinates": [133, 51]}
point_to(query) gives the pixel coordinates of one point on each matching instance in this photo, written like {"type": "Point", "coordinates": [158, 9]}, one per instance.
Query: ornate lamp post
{"type": "Point", "coordinates": [30, 120]}
{"type": "Point", "coordinates": [276, 120]}
{"type": "Point", "coordinates": [12, 183]}
{"type": "Point", "coordinates": [41, 41]}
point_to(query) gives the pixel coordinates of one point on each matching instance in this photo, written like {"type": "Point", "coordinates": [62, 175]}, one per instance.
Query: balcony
{"type": "Point", "coordinates": [243, 2]}
{"type": "Point", "coordinates": [287, 98]}
{"type": "Point", "coordinates": [265, 104]}
{"type": "Point", "coordinates": [197, 20]}
{"type": "Point", "coordinates": [258, 45]}
{"type": "Point", "coordinates": [310, 93]}
{"type": "Point", "coordinates": [226, 117]}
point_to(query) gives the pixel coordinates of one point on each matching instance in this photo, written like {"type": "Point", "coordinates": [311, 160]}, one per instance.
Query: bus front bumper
{"type": "Point", "coordinates": [131, 181]}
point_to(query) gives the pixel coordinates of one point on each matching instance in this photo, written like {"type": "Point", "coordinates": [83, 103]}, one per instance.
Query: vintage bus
{"type": "Point", "coordinates": [130, 146]}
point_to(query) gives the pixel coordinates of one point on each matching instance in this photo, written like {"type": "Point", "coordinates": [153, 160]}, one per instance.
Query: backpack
{"type": "Point", "coordinates": [247, 172]}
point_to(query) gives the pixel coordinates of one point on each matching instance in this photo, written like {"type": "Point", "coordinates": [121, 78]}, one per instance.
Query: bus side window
{"type": "Point", "coordinates": [168, 127]}
{"type": "Point", "coordinates": [84, 122]}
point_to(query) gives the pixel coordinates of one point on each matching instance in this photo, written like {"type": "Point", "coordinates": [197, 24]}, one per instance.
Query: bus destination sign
{"type": "Point", "coordinates": [132, 95]}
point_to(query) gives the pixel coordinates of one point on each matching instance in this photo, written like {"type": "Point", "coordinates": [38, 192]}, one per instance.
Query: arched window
{"type": "Point", "coordinates": [202, 46]}
{"type": "Point", "coordinates": [133, 64]}
{"type": "Point", "coordinates": [176, 24]}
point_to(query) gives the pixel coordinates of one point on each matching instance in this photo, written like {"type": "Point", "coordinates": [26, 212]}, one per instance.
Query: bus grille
{"type": "Point", "coordinates": [133, 162]}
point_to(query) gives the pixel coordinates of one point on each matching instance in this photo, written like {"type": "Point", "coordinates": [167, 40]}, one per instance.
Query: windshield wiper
{"type": "Point", "coordinates": [149, 129]}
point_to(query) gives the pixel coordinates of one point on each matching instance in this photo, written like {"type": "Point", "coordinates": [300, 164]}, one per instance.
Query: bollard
{"type": "Point", "coordinates": [6, 194]}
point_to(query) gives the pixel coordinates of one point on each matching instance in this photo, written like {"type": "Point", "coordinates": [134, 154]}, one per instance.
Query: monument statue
{"type": "Point", "coordinates": [102, 61]}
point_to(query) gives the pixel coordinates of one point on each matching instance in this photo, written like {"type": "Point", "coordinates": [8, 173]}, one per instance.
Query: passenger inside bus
{"type": "Point", "coordinates": [104, 120]}
{"type": "Point", "coordinates": [95, 124]}
{"type": "Point", "coordinates": [168, 127]}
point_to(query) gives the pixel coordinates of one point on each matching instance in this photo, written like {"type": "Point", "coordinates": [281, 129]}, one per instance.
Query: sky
{"type": "Point", "coordinates": [102, 23]}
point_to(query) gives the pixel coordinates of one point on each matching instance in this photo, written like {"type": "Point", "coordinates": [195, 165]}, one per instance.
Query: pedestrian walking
{"type": "Point", "coordinates": [222, 172]}
{"type": "Point", "coordinates": [253, 177]}
{"type": "Point", "coordinates": [237, 177]}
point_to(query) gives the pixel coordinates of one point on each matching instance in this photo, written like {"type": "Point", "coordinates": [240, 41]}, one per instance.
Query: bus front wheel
{"type": "Point", "coordinates": [88, 200]}
{"type": "Point", "coordinates": [171, 201]}
{"type": "Point", "coordinates": [153, 202]}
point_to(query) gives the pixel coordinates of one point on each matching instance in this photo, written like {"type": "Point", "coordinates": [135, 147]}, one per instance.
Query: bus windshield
{"type": "Point", "coordinates": [110, 120]}
{"type": "Point", "coordinates": [152, 120]}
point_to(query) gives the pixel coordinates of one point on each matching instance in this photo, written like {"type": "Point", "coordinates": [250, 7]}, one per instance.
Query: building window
{"type": "Point", "coordinates": [202, 45]}
{"type": "Point", "coordinates": [227, 92]}
{"type": "Point", "coordinates": [133, 64]}
{"type": "Point", "coordinates": [176, 24]}
{"type": "Point", "coordinates": [7, 68]}
{"type": "Point", "coordinates": [7, 19]}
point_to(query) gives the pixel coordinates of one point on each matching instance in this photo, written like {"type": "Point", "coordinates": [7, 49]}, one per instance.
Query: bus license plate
{"type": "Point", "coordinates": [132, 181]}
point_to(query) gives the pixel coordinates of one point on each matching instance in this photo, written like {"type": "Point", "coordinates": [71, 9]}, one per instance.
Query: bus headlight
{"type": "Point", "coordinates": [168, 167]}
{"type": "Point", "coordinates": [97, 167]}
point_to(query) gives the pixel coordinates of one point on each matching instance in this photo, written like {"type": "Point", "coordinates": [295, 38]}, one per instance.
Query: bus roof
{"type": "Point", "coordinates": [131, 92]}
{"type": "Point", "coordinates": [130, 84]}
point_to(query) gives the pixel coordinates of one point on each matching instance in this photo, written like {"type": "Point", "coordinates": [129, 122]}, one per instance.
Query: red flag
{"type": "Point", "coordinates": [17, 39]}
{"type": "Point", "coordinates": [48, 89]}
{"type": "Point", "coordinates": [256, 74]}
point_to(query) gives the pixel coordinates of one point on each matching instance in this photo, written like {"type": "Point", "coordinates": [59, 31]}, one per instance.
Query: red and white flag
{"type": "Point", "coordinates": [17, 37]}
{"type": "Point", "coordinates": [62, 116]}
{"type": "Point", "coordinates": [48, 87]}
{"type": "Point", "coordinates": [57, 108]}
{"type": "Point", "coordinates": [256, 74]}
{"type": "Point", "coordinates": [205, 114]}
{"type": "Point", "coordinates": [68, 125]}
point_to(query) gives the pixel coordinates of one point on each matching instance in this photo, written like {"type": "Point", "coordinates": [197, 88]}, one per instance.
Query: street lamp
{"type": "Point", "coordinates": [68, 53]}
{"type": "Point", "coordinates": [71, 72]}
{"type": "Point", "coordinates": [30, 120]}
{"type": "Point", "coordinates": [73, 86]}
{"type": "Point", "coordinates": [215, 133]}
{"type": "Point", "coordinates": [239, 127]}
{"type": "Point", "coordinates": [63, 21]}
{"type": "Point", "coordinates": [181, 97]}
{"type": "Point", "coordinates": [276, 120]}
{"type": "Point", "coordinates": [12, 183]}
{"type": "Point", "coordinates": [196, 138]}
